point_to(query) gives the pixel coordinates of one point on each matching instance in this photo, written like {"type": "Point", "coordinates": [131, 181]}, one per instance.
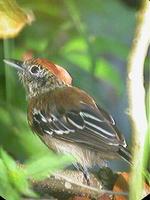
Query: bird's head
{"type": "Point", "coordinates": [40, 75]}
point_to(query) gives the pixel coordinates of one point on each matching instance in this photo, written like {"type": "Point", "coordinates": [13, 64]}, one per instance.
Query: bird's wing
{"type": "Point", "coordinates": [76, 118]}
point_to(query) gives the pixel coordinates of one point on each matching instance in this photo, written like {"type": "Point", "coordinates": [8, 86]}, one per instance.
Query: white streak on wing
{"type": "Point", "coordinates": [42, 117]}
{"type": "Point", "coordinates": [124, 144]}
{"type": "Point", "coordinates": [59, 132]}
{"type": "Point", "coordinates": [110, 143]}
{"type": "Point", "coordinates": [75, 124]}
{"type": "Point", "coordinates": [54, 118]}
{"type": "Point", "coordinates": [36, 120]}
{"type": "Point", "coordinates": [35, 111]}
{"type": "Point", "coordinates": [49, 119]}
{"type": "Point", "coordinates": [68, 130]}
{"type": "Point", "coordinates": [112, 120]}
{"type": "Point", "coordinates": [49, 132]}
{"type": "Point", "coordinates": [100, 129]}
{"type": "Point", "coordinates": [90, 116]}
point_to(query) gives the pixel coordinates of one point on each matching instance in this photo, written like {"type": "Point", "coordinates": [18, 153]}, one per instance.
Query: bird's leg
{"type": "Point", "coordinates": [85, 172]}
{"type": "Point", "coordinates": [86, 175]}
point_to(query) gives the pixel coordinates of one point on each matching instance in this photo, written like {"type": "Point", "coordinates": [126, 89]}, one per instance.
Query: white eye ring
{"type": "Point", "coordinates": [34, 69]}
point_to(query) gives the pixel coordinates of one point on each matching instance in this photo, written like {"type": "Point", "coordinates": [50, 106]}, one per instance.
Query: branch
{"type": "Point", "coordinates": [136, 94]}
{"type": "Point", "coordinates": [71, 183]}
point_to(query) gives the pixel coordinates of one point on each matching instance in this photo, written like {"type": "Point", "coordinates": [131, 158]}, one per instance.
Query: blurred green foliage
{"type": "Point", "coordinates": [14, 179]}
{"type": "Point", "coordinates": [92, 40]}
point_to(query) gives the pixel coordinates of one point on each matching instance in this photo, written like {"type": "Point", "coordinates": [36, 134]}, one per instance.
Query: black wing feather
{"type": "Point", "coordinates": [87, 127]}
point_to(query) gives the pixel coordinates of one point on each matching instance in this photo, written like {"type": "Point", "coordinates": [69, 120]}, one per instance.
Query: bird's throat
{"type": "Point", "coordinates": [36, 89]}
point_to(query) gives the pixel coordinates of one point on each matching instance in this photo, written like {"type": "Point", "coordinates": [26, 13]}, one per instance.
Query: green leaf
{"type": "Point", "coordinates": [5, 116]}
{"type": "Point", "coordinates": [13, 178]}
{"type": "Point", "coordinates": [43, 165]}
{"type": "Point", "coordinates": [3, 174]}
{"type": "Point", "coordinates": [105, 71]}
{"type": "Point", "coordinates": [7, 192]}
{"type": "Point", "coordinates": [111, 46]}
{"type": "Point", "coordinates": [6, 189]}
{"type": "Point", "coordinates": [79, 59]}
{"type": "Point", "coordinates": [39, 46]}
{"type": "Point", "coordinates": [75, 45]}
{"type": "Point", "coordinates": [76, 51]}
{"type": "Point", "coordinates": [9, 163]}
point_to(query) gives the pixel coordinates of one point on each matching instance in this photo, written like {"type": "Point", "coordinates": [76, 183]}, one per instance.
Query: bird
{"type": "Point", "coordinates": [66, 118]}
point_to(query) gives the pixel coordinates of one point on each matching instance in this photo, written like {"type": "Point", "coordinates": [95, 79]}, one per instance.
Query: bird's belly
{"type": "Point", "coordinates": [85, 157]}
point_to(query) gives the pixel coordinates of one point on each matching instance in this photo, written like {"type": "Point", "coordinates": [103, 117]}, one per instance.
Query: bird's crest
{"type": "Point", "coordinates": [57, 70]}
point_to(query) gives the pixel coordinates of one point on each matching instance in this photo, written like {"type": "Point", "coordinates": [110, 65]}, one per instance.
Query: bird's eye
{"type": "Point", "coordinates": [34, 69]}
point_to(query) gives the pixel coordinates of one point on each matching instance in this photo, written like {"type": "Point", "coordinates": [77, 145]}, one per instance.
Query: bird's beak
{"type": "Point", "coordinates": [14, 63]}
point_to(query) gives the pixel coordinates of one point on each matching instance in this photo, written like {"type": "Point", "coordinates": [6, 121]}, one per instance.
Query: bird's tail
{"type": "Point", "coordinates": [125, 154]}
